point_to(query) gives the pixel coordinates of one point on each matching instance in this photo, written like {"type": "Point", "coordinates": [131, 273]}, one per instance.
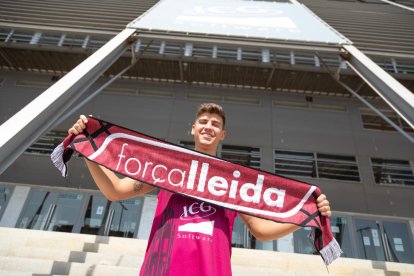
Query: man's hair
{"type": "Point", "coordinates": [212, 108]}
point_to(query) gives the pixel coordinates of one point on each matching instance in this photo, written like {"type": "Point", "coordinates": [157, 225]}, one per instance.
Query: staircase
{"type": "Point", "coordinates": [41, 253]}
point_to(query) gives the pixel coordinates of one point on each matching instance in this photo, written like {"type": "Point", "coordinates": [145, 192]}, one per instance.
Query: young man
{"type": "Point", "coordinates": [190, 237]}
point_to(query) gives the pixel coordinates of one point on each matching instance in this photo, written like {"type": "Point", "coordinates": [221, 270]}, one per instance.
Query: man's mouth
{"type": "Point", "coordinates": [207, 135]}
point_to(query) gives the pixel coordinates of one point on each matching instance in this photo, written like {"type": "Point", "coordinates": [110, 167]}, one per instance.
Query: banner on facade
{"type": "Point", "coordinates": [237, 18]}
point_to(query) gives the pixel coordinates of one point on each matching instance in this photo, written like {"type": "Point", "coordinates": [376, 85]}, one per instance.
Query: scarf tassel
{"type": "Point", "coordinates": [57, 159]}
{"type": "Point", "coordinates": [331, 252]}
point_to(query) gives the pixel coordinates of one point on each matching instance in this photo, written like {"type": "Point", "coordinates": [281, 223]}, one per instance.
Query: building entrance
{"type": "Point", "coordinates": [81, 212]}
{"type": "Point", "coordinates": [105, 218]}
{"type": "Point", "coordinates": [51, 211]}
{"type": "Point", "coordinates": [385, 240]}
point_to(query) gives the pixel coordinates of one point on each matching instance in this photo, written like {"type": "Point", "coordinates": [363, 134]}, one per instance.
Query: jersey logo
{"type": "Point", "coordinates": [197, 210]}
{"type": "Point", "coordinates": [205, 227]}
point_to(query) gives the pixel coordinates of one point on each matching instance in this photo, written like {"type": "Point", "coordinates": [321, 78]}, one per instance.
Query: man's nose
{"type": "Point", "coordinates": [209, 125]}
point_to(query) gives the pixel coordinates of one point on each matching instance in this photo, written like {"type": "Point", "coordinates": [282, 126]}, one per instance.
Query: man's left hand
{"type": "Point", "coordinates": [323, 205]}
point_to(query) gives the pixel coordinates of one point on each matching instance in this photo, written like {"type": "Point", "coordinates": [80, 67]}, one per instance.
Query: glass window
{"type": "Point", "coordinates": [389, 171]}
{"type": "Point", "coordinates": [51, 210]}
{"type": "Point", "coordinates": [302, 242]}
{"type": "Point", "coordinates": [294, 163]}
{"type": "Point", "coordinates": [47, 143]}
{"type": "Point", "coordinates": [246, 156]}
{"type": "Point", "coordinates": [269, 245]}
{"type": "Point", "coordinates": [50, 39]}
{"type": "Point", "coordinates": [65, 212]}
{"type": "Point", "coordinates": [238, 238]}
{"type": "Point", "coordinates": [316, 165]}
{"type": "Point", "coordinates": [399, 244]}
{"type": "Point", "coordinates": [21, 37]}
{"type": "Point", "coordinates": [308, 105]}
{"type": "Point", "coordinates": [95, 212]}
{"type": "Point", "coordinates": [369, 240]}
{"type": "Point", "coordinates": [124, 218]}
{"type": "Point", "coordinates": [340, 230]}
{"type": "Point", "coordinates": [74, 40]}
{"type": "Point", "coordinates": [36, 211]}
{"type": "Point", "coordinates": [337, 167]}
{"type": "Point", "coordinates": [5, 193]}
{"type": "Point", "coordinates": [371, 120]}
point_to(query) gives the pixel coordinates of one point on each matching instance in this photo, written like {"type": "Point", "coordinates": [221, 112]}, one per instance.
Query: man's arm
{"type": "Point", "coordinates": [113, 187]}
{"type": "Point", "coordinates": [267, 230]}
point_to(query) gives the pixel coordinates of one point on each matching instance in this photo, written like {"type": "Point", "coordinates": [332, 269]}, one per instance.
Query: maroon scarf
{"type": "Point", "coordinates": [201, 176]}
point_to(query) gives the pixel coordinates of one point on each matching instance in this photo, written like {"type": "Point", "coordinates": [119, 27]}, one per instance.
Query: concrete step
{"type": "Point", "coordinates": [22, 234]}
{"type": "Point", "coordinates": [77, 269]}
{"type": "Point", "coordinates": [15, 266]}
{"type": "Point", "coordinates": [313, 263]}
{"type": "Point", "coordinates": [18, 264]}
{"type": "Point", "coordinates": [22, 266]}
{"type": "Point", "coordinates": [73, 256]}
{"type": "Point", "coordinates": [134, 249]}
{"type": "Point", "coordinates": [70, 242]}
{"type": "Point", "coordinates": [63, 249]}
{"type": "Point", "coordinates": [242, 270]}
{"type": "Point", "coordinates": [15, 273]}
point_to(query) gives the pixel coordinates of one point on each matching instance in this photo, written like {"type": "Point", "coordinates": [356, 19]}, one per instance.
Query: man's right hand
{"type": "Point", "coordinates": [79, 126]}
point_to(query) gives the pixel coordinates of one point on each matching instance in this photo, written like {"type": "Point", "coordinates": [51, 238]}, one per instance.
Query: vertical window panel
{"type": "Point", "coordinates": [371, 120]}
{"type": "Point", "coordinates": [390, 171]}
{"type": "Point", "coordinates": [246, 156]}
{"type": "Point", "coordinates": [316, 165]}
{"type": "Point", "coordinates": [294, 163]}
{"type": "Point", "coordinates": [337, 167]}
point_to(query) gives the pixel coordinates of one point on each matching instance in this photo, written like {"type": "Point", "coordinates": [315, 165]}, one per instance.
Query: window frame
{"type": "Point", "coordinates": [316, 165]}
{"type": "Point", "coordinates": [410, 165]}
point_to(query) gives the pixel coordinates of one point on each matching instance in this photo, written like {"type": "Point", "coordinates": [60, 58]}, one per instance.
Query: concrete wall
{"type": "Point", "coordinates": [258, 125]}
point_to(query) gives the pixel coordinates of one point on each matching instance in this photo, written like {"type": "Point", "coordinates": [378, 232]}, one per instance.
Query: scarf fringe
{"type": "Point", "coordinates": [57, 159]}
{"type": "Point", "coordinates": [331, 252]}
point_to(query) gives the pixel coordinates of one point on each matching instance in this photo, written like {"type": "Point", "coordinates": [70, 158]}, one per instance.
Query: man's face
{"type": "Point", "coordinates": [208, 132]}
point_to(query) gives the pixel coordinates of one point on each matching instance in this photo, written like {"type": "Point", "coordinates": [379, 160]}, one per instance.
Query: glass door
{"type": "Point", "coordinates": [37, 210]}
{"type": "Point", "coordinates": [124, 217]}
{"type": "Point", "coordinates": [5, 193]}
{"type": "Point", "coordinates": [385, 240]}
{"type": "Point", "coordinates": [52, 211]}
{"type": "Point", "coordinates": [399, 243]}
{"type": "Point", "coordinates": [303, 243]}
{"type": "Point", "coordinates": [81, 212]}
{"type": "Point", "coordinates": [369, 239]}
{"type": "Point", "coordinates": [240, 235]}
{"type": "Point", "coordinates": [95, 214]}
{"type": "Point", "coordinates": [65, 212]}
{"type": "Point", "coordinates": [341, 232]}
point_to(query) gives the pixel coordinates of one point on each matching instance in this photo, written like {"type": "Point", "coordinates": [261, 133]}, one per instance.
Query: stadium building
{"type": "Point", "coordinates": [286, 114]}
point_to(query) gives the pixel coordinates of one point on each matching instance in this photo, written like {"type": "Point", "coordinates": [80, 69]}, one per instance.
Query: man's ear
{"type": "Point", "coordinates": [223, 135]}
{"type": "Point", "coordinates": [192, 129]}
